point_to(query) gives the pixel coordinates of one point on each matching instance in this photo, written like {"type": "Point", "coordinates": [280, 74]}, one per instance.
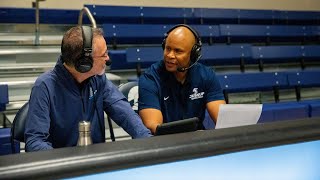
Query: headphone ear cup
{"type": "Point", "coordinates": [84, 64]}
{"type": "Point", "coordinates": [195, 53]}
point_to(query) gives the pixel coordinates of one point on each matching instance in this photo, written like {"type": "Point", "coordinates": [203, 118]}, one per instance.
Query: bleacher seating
{"type": "Point", "coordinates": [303, 79]}
{"type": "Point", "coordinates": [266, 33]}
{"type": "Point", "coordinates": [246, 82]}
{"type": "Point", "coordinates": [115, 14]}
{"type": "Point", "coordinates": [152, 33]}
{"type": "Point", "coordinates": [283, 111]}
{"type": "Point", "coordinates": [299, 17]}
{"type": "Point", "coordinates": [47, 16]}
{"type": "Point", "coordinates": [161, 15]}
{"type": "Point", "coordinates": [143, 57]}
{"type": "Point", "coordinates": [223, 33]}
{"type": "Point", "coordinates": [208, 33]}
{"type": "Point", "coordinates": [311, 53]}
{"type": "Point", "coordinates": [277, 55]}
{"type": "Point", "coordinates": [135, 33]}
{"type": "Point", "coordinates": [237, 54]}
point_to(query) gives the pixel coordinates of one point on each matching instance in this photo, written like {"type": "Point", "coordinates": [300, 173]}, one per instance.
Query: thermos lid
{"type": "Point", "coordinates": [84, 126]}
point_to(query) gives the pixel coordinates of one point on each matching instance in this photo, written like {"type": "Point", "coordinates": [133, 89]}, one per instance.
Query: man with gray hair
{"type": "Point", "coordinates": [75, 90]}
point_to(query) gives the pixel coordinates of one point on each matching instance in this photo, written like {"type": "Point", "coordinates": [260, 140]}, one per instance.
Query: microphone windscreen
{"type": "Point", "coordinates": [181, 69]}
{"type": "Point", "coordinates": [109, 62]}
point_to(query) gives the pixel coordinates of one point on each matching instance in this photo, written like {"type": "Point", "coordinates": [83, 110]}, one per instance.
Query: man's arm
{"type": "Point", "coordinates": [120, 111]}
{"type": "Point", "coordinates": [213, 109]}
{"type": "Point", "coordinates": [149, 104]}
{"type": "Point", "coordinates": [38, 120]}
{"type": "Point", "coordinates": [151, 118]}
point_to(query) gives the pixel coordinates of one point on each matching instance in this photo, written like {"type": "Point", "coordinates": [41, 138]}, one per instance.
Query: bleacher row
{"type": "Point", "coordinates": [160, 15]}
{"type": "Point", "coordinates": [223, 55]}
{"type": "Point", "coordinates": [224, 33]}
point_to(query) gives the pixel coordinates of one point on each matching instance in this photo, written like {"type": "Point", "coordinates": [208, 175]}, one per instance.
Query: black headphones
{"type": "Point", "coordinates": [196, 49]}
{"type": "Point", "coordinates": [85, 62]}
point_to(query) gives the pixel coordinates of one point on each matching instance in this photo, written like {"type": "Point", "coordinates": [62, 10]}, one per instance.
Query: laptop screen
{"type": "Point", "coordinates": [180, 126]}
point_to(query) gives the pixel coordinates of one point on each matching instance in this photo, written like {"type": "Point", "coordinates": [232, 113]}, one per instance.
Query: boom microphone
{"type": "Point", "coordinates": [183, 69]}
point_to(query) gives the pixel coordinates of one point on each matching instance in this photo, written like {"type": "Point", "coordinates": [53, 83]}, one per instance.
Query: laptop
{"type": "Point", "coordinates": [180, 126]}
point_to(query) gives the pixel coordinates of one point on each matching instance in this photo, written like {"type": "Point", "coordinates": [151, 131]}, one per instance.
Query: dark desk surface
{"type": "Point", "coordinates": [107, 157]}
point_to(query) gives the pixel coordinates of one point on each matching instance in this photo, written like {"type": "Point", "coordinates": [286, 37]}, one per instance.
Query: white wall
{"type": "Point", "coordinates": [313, 5]}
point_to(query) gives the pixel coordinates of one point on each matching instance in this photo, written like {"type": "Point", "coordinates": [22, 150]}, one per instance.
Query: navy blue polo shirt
{"type": "Point", "coordinates": [159, 89]}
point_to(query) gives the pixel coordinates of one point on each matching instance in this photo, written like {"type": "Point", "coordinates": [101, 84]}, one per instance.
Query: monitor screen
{"type": "Point", "coordinates": [293, 161]}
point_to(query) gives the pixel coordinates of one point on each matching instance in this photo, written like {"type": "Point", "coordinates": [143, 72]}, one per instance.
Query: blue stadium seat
{"type": "Point", "coordinates": [299, 17]}
{"type": "Point", "coordinates": [306, 79]}
{"type": "Point", "coordinates": [245, 82]}
{"type": "Point", "coordinates": [312, 52]}
{"type": "Point", "coordinates": [115, 14]}
{"type": "Point", "coordinates": [303, 79]}
{"type": "Point", "coordinates": [118, 58]}
{"type": "Point", "coordinates": [278, 54]}
{"type": "Point", "coordinates": [249, 82]}
{"type": "Point", "coordinates": [211, 55]}
{"type": "Point", "coordinates": [215, 16]}
{"type": "Point", "coordinates": [239, 54]}
{"type": "Point", "coordinates": [283, 111]}
{"type": "Point", "coordinates": [46, 16]}
{"type": "Point", "coordinates": [314, 107]}
{"type": "Point", "coordinates": [145, 56]}
{"type": "Point", "coordinates": [152, 33]}
{"type": "Point", "coordinates": [208, 33]}
{"type": "Point", "coordinates": [247, 16]}
{"type": "Point", "coordinates": [263, 33]}
{"type": "Point", "coordinates": [135, 33]}
{"type": "Point", "coordinates": [166, 15]}
{"type": "Point", "coordinates": [315, 31]}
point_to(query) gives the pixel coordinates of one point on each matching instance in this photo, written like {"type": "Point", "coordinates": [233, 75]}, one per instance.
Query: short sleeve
{"type": "Point", "coordinates": [214, 90]}
{"type": "Point", "coordinates": [148, 93]}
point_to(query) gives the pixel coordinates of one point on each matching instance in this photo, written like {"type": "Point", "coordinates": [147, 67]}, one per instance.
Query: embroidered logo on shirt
{"type": "Point", "coordinates": [196, 94]}
{"type": "Point", "coordinates": [92, 93]}
{"type": "Point", "coordinates": [165, 98]}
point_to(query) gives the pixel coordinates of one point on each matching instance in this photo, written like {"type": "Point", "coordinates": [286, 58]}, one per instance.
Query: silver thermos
{"type": "Point", "coordinates": [84, 134]}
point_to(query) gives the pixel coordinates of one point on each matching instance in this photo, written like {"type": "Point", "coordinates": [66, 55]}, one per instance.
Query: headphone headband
{"type": "Point", "coordinates": [196, 49]}
{"type": "Point", "coordinates": [85, 62]}
{"type": "Point", "coordinates": [194, 32]}
{"type": "Point", "coordinates": [87, 39]}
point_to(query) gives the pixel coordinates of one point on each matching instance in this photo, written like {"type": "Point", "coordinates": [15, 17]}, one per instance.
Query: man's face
{"type": "Point", "coordinates": [100, 56]}
{"type": "Point", "coordinates": [178, 48]}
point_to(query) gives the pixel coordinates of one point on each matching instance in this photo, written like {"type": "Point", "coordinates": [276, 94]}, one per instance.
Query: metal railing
{"type": "Point", "coordinates": [91, 18]}
{"type": "Point", "coordinates": [37, 28]}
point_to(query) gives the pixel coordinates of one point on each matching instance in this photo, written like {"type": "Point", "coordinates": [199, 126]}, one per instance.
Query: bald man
{"type": "Point", "coordinates": [179, 87]}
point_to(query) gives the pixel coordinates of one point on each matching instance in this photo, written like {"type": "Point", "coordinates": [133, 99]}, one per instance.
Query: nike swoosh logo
{"type": "Point", "coordinates": [165, 98]}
